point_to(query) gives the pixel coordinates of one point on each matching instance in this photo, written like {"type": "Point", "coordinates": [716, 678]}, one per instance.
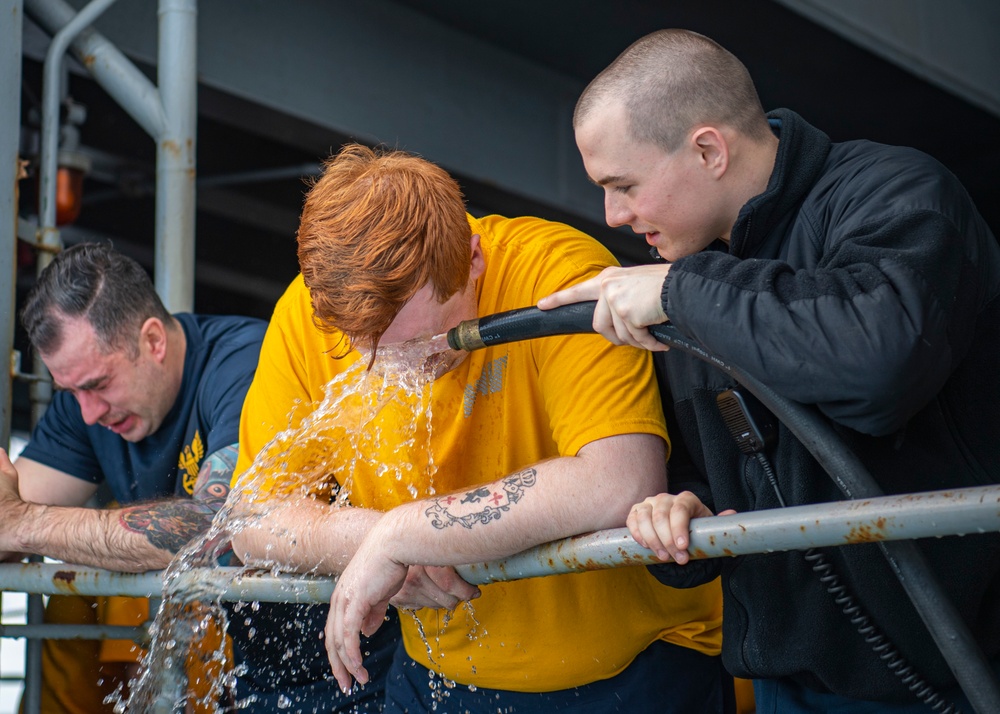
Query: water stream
{"type": "Point", "coordinates": [333, 437]}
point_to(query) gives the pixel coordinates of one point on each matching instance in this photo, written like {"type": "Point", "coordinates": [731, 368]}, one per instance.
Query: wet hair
{"type": "Point", "coordinates": [671, 81]}
{"type": "Point", "coordinates": [376, 227]}
{"type": "Point", "coordinates": [92, 281]}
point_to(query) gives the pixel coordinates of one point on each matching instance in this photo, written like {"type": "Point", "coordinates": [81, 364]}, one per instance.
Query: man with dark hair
{"type": "Point", "coordinates": [148, 403]}
{"type": "Point", "coordinates": [855, 277]}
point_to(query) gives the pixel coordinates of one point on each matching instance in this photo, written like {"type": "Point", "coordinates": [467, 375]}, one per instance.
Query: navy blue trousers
{"type": "Point", "coordinates": [665, 679]}
{"type": "Point", "coordinates": [281, 655]}
{"type": "Point", "coordinates": [780, 696]}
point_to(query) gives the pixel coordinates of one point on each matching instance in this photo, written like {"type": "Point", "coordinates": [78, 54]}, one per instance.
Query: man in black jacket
{"type": "Point", "coordinates": [855, 277]}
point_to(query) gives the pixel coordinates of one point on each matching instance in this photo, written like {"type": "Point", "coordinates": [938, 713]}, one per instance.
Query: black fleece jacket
{"type": "Point", "coordinates": [862, 281]}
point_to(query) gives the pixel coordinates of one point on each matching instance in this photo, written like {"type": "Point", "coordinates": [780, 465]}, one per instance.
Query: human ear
{"type": "Point", "coordinates": [153, 337]}
{"type": "Point", "coordinates": [713, 150]}
{"type": "Point", "coordinates": [478, 264]}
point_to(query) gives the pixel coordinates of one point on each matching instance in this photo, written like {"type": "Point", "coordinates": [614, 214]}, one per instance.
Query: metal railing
{"type": "Point", "coordinates": [934, 514]}
{"type": "Point", "coordinates": [952, 512]}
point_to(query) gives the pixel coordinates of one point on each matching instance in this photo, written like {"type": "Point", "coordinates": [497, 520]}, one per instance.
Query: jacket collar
{"type": "Point", "coordinates": [802, 152]}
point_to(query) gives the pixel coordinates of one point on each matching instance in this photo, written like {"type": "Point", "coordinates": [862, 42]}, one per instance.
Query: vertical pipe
{"type": "Point", "coordinates": [51, 97]}
{"type": "Point", "coordinates": [11, 12]}
{"type": "Point", "coordinates": [32, 697]}
{"type": "Point", "coordinates": [174, 254]}
{"type": "Point", "coordinates": [175, 155]}
{"type": "Point", "coordinates": [10, 122]}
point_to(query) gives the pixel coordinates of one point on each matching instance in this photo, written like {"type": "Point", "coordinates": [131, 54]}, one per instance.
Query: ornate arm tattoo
{"type": "Point", "coordinates": [489, 502]}
{"type": "Point", "coordinates": [170, 524]}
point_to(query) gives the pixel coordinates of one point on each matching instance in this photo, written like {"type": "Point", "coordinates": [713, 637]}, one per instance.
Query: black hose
{"type": "Point", "coordinates": [949, 631]}
{"type": "Point", "coordinates": [524, 323]}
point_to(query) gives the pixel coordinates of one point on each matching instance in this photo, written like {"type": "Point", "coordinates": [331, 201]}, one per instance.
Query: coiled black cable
{"type": "Point", "coordinates": [859, 617]}
{"type": "Point", "coordinates": [881, 645]}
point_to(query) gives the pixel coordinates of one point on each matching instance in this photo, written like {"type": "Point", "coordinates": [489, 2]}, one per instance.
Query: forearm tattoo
{"type": "Point", "coordinates": [481, 505]}
{"type": "Point", "coordinates": [170, 524]}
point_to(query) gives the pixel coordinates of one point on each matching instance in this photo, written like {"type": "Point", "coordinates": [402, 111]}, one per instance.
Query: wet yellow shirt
{"type": "Point", "coordinates": [504, 408]}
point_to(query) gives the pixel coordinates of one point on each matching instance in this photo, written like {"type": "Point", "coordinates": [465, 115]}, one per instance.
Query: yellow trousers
{"type": "Point", "coordinates": [78, 675]}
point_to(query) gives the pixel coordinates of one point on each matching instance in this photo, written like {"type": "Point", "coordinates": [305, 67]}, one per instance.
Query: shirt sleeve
{"type": "Point", "coordinates": [60, 441]}
{"type": "Point", "coordinates": [279, 384]}
{"type": "Point", "coordinates": [226, 381]}
{"type": "Point", "coordinates": [591, 388]}
{"type": "Point", "coordinates": [861, 336]}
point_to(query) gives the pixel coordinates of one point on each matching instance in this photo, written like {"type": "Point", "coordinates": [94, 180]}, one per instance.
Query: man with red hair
{"type": "Point", "coordinates": [528, 442]}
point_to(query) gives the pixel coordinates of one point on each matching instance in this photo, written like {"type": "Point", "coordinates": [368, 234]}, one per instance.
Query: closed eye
{"type": "Point", "coordinates": [94, 385]}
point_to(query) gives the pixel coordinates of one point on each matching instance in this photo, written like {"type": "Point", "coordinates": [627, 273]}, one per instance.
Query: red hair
{"type": "Point", "coordinates": [376, 227]}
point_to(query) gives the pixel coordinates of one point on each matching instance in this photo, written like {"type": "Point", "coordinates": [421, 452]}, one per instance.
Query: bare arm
{"type": "Point", "coordinates": [46, 519]}
{"type": "Point", "coordinates": [301, 535]}
{"type": "Point", "coordinates": [554, 499]}
{"type": "Point", "coordinates": [550, 500]}
{"type": "Point", "coordinates": [306, 535]}
{"type": "Point", "coordinates": [38, 483]}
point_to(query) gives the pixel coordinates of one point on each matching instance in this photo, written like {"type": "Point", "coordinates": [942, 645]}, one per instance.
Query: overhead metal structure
{"type": "Point", "coordinates": [954, 44]}
{"type": "Point", "coordinates": [168, 113]}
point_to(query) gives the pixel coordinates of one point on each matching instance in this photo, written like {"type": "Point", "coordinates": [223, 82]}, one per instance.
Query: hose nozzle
{"type": "Point", "coordinates": [465, 336]}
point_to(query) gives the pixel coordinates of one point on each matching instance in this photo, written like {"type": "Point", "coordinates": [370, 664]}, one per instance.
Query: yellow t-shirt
{"type": "Point", "coordinates": [502, 409]}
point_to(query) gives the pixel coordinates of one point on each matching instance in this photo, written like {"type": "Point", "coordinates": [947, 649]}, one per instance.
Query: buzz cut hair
{"type": "Point", "coordinates": [670, 82]}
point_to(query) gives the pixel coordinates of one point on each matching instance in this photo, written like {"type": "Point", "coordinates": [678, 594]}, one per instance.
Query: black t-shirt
{"type": "Point", "coordinates": [219, 364]}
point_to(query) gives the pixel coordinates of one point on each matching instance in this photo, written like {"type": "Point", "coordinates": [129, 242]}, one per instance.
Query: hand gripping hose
{"type": "Point", "coordinates": [952, 636]}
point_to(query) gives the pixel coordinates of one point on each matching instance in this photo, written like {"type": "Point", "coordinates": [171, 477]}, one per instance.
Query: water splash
{"type": "Point", "coordinates": [296, 464]}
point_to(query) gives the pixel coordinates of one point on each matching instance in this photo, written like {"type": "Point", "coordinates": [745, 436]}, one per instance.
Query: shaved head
{"type": "Point", "coordinates": [671, 81]}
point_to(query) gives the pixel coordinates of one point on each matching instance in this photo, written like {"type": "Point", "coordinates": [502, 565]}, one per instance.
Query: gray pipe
{"type": "Point", "coordinates": [32, 696]}
{"type": "Point", "coordinates": [167, 113]}
{"type": "Point", "coordinates": [51, 98]}
{"type": "Point", "coordinates": [890, 518]}
{"type": "Point", "coordinates": [934, 514]}
{"type": "Point", "coordinates": [75, 632]}
{"type": "Point", "coordinates": [10, 122]}
{"type": "Point", "coordinates": [174, 259]}
{"type": "Point", "coordinates": [116, 74]}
